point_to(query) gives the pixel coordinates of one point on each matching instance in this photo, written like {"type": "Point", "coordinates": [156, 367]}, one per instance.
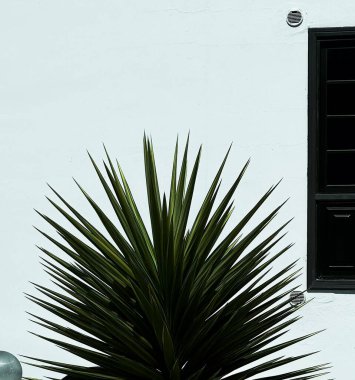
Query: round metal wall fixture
{"type": "Point", "coordinates": [297, 298]}
{"type": "Point", "coordinates": [10, 367]}
{"type": "Point", "coordinates": [294, 18]}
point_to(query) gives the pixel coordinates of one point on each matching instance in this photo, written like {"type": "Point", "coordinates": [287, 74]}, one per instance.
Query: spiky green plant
{"type": "Point", "coordinates": [175, 303]}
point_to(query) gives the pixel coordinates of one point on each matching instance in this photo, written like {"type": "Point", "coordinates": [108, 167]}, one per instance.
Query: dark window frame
{"type": "Point", "coordinates": [318, 191]}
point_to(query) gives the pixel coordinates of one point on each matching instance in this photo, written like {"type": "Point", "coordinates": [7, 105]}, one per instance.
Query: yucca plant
{"type": "Point", "coordinates": [173, 301]}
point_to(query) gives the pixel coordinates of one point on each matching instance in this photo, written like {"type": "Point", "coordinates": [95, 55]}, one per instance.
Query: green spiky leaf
{"type": "Point", "coordinates": [177, 298]}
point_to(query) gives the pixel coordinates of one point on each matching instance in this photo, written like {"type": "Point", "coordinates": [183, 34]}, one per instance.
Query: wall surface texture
{"type": "Point", "coordinates": [76, 73]}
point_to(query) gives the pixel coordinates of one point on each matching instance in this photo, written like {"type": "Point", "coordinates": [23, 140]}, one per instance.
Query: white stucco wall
{"type": "Point", "coordinates": [75, 73]}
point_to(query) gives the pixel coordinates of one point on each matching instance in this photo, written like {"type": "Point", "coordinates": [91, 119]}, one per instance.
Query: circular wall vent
{"type": "Point", "coordinates": [294, 18]}
{"type": "Point", "coordinates": [297, 298]}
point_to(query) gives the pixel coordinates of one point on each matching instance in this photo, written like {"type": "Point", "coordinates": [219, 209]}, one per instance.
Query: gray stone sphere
{"type": "Point", "coordinates": [10, 367]}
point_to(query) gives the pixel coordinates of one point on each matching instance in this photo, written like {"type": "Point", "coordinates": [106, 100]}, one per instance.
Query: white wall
{"type": "Point", "coordinates": [75, 73]}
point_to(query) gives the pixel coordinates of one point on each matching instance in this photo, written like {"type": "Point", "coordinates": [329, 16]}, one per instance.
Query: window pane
{"type": "Point", "coordinates": [341, 63]}
{"type": "Point", "coordinates": [340, 168]}
{"type": "Point", "coordinates": [341, 133]}
{"type": "Point", "coordinates": [341, 99]}
{"type": "Point", "coordinates": [336, 239]}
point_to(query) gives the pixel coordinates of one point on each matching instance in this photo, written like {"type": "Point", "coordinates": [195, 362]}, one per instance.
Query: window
{"type": "Point", "coordinates": [331, 159]}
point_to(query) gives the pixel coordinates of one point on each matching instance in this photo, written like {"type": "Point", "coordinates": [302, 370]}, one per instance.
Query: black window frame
{"type": "Point", "coordinates": [318, 192]}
